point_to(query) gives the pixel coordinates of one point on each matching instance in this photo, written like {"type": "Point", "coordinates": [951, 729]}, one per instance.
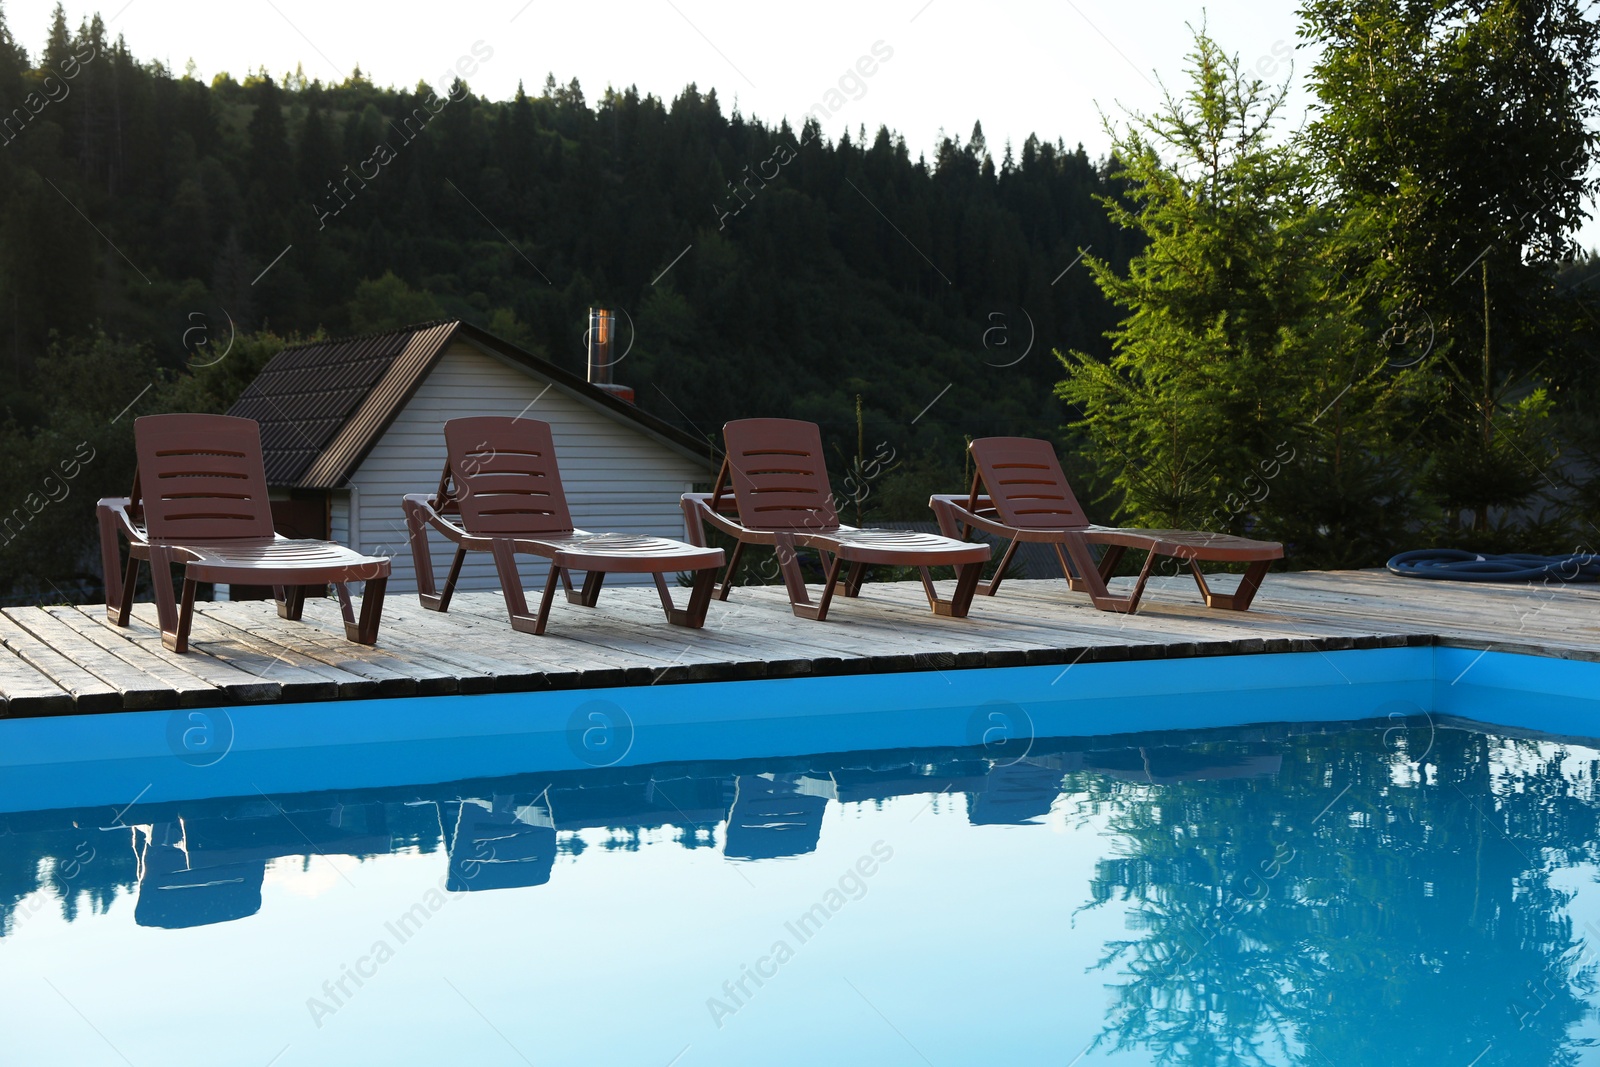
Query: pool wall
{"type": "Point", "coordinates": [245, 750]}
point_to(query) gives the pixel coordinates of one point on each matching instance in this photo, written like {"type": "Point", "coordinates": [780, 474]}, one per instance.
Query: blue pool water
{"type": "Point", "coordinates": [1253, 860]}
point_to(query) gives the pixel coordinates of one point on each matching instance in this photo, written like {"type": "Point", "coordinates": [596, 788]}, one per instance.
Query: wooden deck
{"type": "Point", "coordinates": [65, 659]}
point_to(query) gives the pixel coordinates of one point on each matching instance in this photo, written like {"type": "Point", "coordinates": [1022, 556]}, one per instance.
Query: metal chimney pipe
{"type": "Point", "coordinates": [601, 334]}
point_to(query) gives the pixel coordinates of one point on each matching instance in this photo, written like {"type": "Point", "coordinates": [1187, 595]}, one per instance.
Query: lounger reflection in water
{"type": "Point", "coordinates": [178, 890]}
{"type": "Point", "coordinates": [1015, 793]}
{"type": "Point", "coordinates": [776, 815]}
{"type": "Point", "coordinates": [505, 842]}
{"type": "Point", "coordinates": [197, 870]}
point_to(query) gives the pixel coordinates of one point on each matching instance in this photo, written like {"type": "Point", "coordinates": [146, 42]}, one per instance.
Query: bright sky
{"type": "Point", "coordinates": [1020, 67]}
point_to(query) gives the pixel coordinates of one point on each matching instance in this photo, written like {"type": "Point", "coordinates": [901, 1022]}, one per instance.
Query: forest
{"type": "Point", "coordinates": [1173, 330]}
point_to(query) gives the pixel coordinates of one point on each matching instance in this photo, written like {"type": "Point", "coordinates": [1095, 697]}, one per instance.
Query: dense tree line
{"type": "Point", "coordinates": [143, 211]}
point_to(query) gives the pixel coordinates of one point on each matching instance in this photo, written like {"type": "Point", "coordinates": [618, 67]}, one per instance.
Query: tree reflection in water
{"type": "Point", "coordinates": [1386, 898]}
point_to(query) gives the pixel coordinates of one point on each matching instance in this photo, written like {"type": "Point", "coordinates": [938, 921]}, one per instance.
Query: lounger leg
{"type": "Point", "coordinates": [843, 573]}
{"type": "Point", "coordinates": [505, 564]}
{"type": "Point", "coordinates": [1091, 578]}
{"type": "Point", "coordinates": [830, 581]}
{"type": "Point", "coordinates": [992, 586]}
{"type": "Point", "coordinates": [441, 602]}
{"type": "Point", "coordinates": [342, 592]}
{"type": "Point", "coordinates": [794, 581]}
{"type": "Point", "coordinates": [852, 584]}
{"type": "Point", "coordinates": [1109, 560]}
{"type": "Point", "coordinates": [732, 571]}
{"type": "Point", "coordinates": [928, 590]}
{"type": "Point", "coordinates": [967, 575]}
{"type": "Point", "coordinates": [694, 616]}
{"type": "Point", "coordinates": [111, 566]}
{"type": "Point", "coordinates": [292, 602]}
{"type": "Point", "coordinates": [1138, 587]}
{"type": "Point", "coordinates": [545, 600]}
{"type": "Point", "coordinates": [662, 592]}
{"type": "Point", "coordinates": [422, 562]}
{"type": "Point", "coordinates": [185, 617]}
{"type": "Point", "coordinates": [1240, 598]}
{"type": "Point", "coordinates": [366, 631]}
{"type": "Point", "coordinates": [166, 603]}
{"type": "Point", "coordinates": [130, 581]}
{"type": "Point", "coordinates": [590, 595]}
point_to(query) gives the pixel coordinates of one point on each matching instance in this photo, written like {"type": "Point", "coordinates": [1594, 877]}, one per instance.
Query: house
{"type": "Point", "coordinates": [349, 426]}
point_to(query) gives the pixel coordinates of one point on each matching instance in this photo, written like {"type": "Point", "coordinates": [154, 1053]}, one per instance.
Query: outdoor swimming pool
{"type": "Point", "coordinates": [1283, 859]}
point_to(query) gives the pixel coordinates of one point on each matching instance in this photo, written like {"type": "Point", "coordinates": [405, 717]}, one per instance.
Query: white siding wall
{"type": "Point", "coordinates": [616, 477]}
{"type": "Point", "coordinates": [339, 516]}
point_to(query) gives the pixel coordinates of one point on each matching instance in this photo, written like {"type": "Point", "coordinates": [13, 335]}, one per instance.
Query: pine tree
{"type": "Point", "coordinates": [1239, 380]}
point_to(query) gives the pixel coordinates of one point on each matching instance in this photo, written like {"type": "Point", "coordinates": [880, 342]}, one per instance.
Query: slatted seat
{"type": "Point", "coordinates": [501, 493]}
{"type": "Point", "coordinates": [773, 490]}
{"type": "Point", "coordinates": [200, 501]}
{"type": "Point", "coordinates": [1020, 493]}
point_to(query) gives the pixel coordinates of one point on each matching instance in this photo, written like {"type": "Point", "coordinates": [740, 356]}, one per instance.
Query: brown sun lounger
{"type": "Point", "coordinates": [773, 490]}
{"type": "Point", "coordinates": [1020, 493]}
{"type": "Point", "coordinates": [200, 500]}
{"type": "Point", "coordinates": [501, 493]}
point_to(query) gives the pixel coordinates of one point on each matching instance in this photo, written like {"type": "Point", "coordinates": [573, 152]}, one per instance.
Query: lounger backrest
{"type": "Point", "coordinates": [201, 478]}
{"type": "Point", "coordinates": [505, 475]}
{"type": "Point", "coordinates": [1026, 483]}
{"type": "Point", "coordinates": [780, 480]}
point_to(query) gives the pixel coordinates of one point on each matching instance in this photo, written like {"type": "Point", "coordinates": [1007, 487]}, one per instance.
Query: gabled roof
{"type": "Point", "coordinates": [323, 405]}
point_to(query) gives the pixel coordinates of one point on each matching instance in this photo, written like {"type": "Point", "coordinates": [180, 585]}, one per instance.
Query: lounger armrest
{"type": "Point", "coordinates": [697, 513]}
{"type": "Point", "coordinates": [115, 517]}
{"type": "Point", "coordinates": [421, 507]}
{"type": "Point", "coordinates": [953, 514]}
{"type": "Point", "coordinates": [118, 512]}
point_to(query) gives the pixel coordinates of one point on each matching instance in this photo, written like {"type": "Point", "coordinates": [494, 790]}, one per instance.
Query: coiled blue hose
{"type": "Point", "coordinates": [1455, 565]}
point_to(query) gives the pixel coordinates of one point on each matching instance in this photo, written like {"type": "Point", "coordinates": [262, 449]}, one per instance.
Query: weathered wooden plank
{"type": "Point", "coordinates": [89, 694]}
{"type": "Point", "coordinates": [393, 676]}
{"type": "Point", "coordinates": [139, 690]}
{"type": "Point", "coordinates": [298, 678]}
{"type": "Point", "coordinates": [191, 691]}
{"type": "Point", "coordinates": [24, 691]}
{"type": "Point", "coordinates": [237, 685]}
{"type": "Point", "coordinates": [515, 661]}
{"type": "Point", "coordinates": [625, 627]}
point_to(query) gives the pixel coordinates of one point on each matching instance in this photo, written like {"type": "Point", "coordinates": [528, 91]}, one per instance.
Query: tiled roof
{"type": "Point", "coordinates": [323, 405]}
{"type": "Point", "coordinates": [306, 394]}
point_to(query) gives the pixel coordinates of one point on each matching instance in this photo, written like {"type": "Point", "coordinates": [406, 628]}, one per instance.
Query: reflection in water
{"type": "Point", "coordinates": [179, 887]}
{"type": "Point", "coordinates": [776, 815]}
{"type": "Point", "coordinates": [505, 842]}
{"type": "Point", "coordinates": [1360, 906]}
{"type": "Point", "coordinates": [1303, 895]}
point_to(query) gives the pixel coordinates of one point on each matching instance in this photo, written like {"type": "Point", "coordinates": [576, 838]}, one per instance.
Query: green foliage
{"type": "Point", "coordinates": [1456, 140]}
{"type": "Point", "coordinates": [1243, 392]}
{"type": "Point", "coordinates": [96, 387]}
{"type": "Point", "coordinates": [220, 371]}
{"type": "Point", "coordinates": [55, 474]}
{"type": "Point", "coordinates": [388, 303]}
